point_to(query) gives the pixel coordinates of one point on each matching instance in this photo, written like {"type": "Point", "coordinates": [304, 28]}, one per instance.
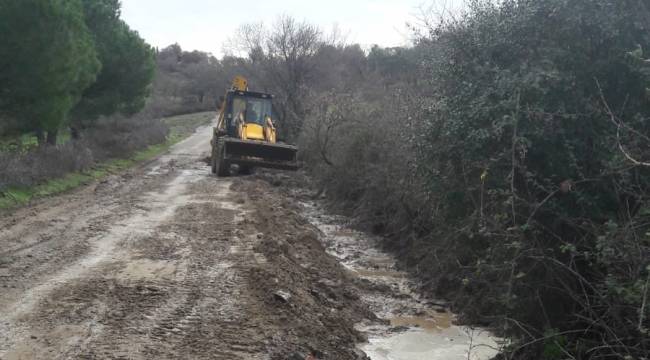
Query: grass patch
{"type": "Point", "coordinates": [27, 142]}
{"type": "Point", "coordinates": [180, 127]}
{"type": "Point", "coordinates": [184, 125]}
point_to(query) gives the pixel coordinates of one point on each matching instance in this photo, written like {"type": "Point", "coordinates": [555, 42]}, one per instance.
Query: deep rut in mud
{"type": "Point", "coordinates": [413, 327]}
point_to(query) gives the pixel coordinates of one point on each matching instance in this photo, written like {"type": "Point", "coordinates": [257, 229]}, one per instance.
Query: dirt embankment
{"type": "Point", "coordinates": [323, 303]}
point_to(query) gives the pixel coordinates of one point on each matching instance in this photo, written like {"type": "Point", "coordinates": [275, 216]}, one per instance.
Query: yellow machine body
{"type": "Point", "coordinates": [245, 134]}
{"type": "Point", "coordinates": [252, 132]}
{"type": "Point", "coordinates": [240, 83]}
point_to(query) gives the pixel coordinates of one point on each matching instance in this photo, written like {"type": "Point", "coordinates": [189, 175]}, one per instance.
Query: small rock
{"type": "Point", "coordinates": [398, 329]}
{"type": "Point", "coordinates": [282, 296]}
{"type": "Point", "coordinates": [328, 283]}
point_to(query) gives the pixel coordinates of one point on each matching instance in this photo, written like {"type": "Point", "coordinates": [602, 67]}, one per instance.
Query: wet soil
{"type": "Point", "coordinates": [166, 261]}
{"type": "Point", "coordinates": [408, 326]}
{"type": "Point", "coordinates": [411, 327]}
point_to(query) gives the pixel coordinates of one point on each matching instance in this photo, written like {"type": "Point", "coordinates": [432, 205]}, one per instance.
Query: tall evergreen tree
{"type": "Point", "coordinates": [127, 65]}
{"type": "Point", "coordinates": [47, 60]}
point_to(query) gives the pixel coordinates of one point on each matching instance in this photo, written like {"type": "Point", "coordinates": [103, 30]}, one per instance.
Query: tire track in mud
{"type": "Point", "coordinates": [164, 283]}
{"type": "Point", "coordinates": [169, 262]}
{"type": "Point", "coordinates": [146, 281]}
{"type": "Point", "coordinates": [44, 238]}
{"type": "Point", "coordinates": [104, 245]}
{"type": "Point", "coordinates": [202, 316]}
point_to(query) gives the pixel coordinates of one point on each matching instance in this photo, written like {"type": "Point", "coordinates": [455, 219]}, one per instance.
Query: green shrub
{"type": "Point", "coordinates": [538, 204]}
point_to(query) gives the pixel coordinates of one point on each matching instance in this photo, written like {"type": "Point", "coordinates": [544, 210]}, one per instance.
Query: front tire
{"type": "Point", "coordinates": [213, 160]}
{"type": "Point", "coordinates": [221, 167]}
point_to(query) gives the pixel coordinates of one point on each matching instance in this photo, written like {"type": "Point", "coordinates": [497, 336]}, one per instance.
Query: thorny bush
{"type": "Point", "coordinates": [514, 180]}
{"type": "Point", "coordinates": [543, 219]}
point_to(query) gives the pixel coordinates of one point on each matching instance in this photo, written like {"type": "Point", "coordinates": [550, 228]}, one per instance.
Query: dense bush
{"type": "Point", "coordinates": [358, 148]}
{"type": "Point", "coordinates": [545, 216]}
{"type": "Point", "coordinates": [41, 164]}
{"type": "Point", "coordinates": [110, 138]}
{"type": "Point", "coordinates": [510, 173]}
{"type": "Point", "coordinates": [119, 137]}
{"type": "Point", "coordinates": [186, 82]}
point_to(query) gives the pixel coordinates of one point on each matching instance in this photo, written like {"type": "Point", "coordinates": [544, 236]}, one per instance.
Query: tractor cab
{"type": "Point", "coordinates": [249, 116]}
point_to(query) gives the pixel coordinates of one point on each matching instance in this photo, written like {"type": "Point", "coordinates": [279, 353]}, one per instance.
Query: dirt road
{"type": "Point", "coordinates": [168, 262]}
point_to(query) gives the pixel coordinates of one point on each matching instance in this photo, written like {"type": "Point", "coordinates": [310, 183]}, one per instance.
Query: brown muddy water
{"type": "Point", "coordinates": [413, 328]}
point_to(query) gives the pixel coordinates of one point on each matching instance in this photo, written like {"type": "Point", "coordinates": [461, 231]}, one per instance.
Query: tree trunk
{"type": "Point", "coordinates": [52, 137]}
{"type": "Point", "coordinates": [40, 137]}
{"type": "Point", "coordinates": [75, 133]}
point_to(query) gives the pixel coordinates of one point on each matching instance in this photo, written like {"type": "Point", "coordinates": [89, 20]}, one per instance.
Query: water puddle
{"type": "Point", "coordinates": [415, 328]}
{"type": "Point", "coordinates": [427, 323]}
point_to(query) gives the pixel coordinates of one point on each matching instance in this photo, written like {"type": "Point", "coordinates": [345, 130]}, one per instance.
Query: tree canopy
{"type": "Point", "coordinates": [47, 60]}
{"type": "Point", "coordinates": [127, 64]}
{"type": "Point", "coordinates": [522, 144]}
{"type": "Point", "coordinates": [69, 61]}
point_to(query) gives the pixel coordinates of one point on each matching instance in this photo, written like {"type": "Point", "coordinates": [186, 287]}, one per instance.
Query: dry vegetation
{"type": "Point", "coordinates": [503, 157]}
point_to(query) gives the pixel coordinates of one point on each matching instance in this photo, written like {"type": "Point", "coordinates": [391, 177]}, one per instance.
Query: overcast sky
{"type": "Point", "coordinates": [207, 24]}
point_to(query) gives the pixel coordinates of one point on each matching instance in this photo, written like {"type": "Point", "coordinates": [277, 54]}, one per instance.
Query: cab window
{"type": "Point", "coordinates": [238, 106]}
{"type": "Point", "coordinates": [257, 110]}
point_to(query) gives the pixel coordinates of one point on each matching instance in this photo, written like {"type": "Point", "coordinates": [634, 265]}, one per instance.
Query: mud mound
{"type": "Point", "coordinates": [301, 287]}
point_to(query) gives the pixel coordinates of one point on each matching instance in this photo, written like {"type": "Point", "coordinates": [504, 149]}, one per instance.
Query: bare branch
{"type": "Point", "coordinates": [619, 124]}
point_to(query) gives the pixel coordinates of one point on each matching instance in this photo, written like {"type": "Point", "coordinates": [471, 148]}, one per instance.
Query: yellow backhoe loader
{"type": "Point", "coordinates": [245, 134]}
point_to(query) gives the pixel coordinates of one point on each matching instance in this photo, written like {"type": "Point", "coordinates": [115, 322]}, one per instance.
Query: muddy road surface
{"type": "Point", "coordinates": [166, 261]}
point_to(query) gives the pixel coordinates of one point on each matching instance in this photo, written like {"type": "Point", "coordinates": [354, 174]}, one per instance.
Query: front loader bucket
{"type": "Point", "coordinates": [252, 153]}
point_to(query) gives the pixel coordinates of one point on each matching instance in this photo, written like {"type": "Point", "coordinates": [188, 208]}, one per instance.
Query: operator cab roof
{"type": "Point", "coordinates": [253, 94]}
